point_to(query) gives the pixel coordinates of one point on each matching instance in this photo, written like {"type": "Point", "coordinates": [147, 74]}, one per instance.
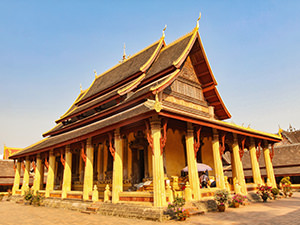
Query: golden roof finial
{"type": "Point", "coordinates": [198, 20]}
{"type": "Point", "coordinates": [164, 30]}
{"type": "Point", "coordinates": [80, 88]}
{"type": "Point", "coordinates": [124, 53]}
{"type": "Point", "coordinates": [95, 72]}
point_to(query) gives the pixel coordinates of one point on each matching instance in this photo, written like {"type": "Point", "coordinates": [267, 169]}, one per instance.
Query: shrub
{"type": "Point", "coordinates": [221, 196]}
{"type": "Point", "coordinates": [37, 199]}
{"type": "Point", "coordinates": [275, 192]}
{"type": "Point", "coordinates": [238, 198]}
{"type": "Point", "coordinates": [177, 210]}
{"type": "Point", "coordinates": [286, 186]}
{"type": "Point", "coordinates": [29, 196]}
{"type": "Point", "coordinates": [264, 192]}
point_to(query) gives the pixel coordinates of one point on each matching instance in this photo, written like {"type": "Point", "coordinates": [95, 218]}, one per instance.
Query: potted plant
{"type": "Point", "coordinates": [37, 199]}
{"type": "Point", "coordinates": [264, 192]}
{"type": "Point", "coordinates": [238, 200]}
{"type": "Point", "coordinates": [176, 209]}
{"type": "Point", "coordinates": [28, 197]}
{"type": "Point", "coordinates": [221, 197]}
{"type": "Point", "coordinates": [286, 186]}
{"type": "Point", "coordinates": [182, 214]}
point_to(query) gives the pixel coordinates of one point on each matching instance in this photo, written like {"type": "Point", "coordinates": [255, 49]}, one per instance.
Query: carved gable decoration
{"type": "Point", "coordinates": [187, 83]}
{"type": "Point", "coordinates": [188, 71]}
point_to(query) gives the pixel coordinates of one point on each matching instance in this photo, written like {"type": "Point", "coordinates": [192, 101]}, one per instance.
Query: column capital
{"type": "Point", "coordinates": [155, 122]}
{"type": "Point", "coordinates": [68, 147]}
{"type": "Point", "coordinates": [117, 133]}
{"type": "Point", "coordinates": [51, 152]}
{"type": "Point", "coordinates": [252, 141]}
{"type": "Point", "coordinates": [38, 156]}
{"type": "Point", "coordinates": [190, 129]}
{"type": "Point", "coordinates": [266, 144]}
{"type": "Point", "coordinates": [215, 134]}
{"type": "Point", "coordinates": [235, 137]}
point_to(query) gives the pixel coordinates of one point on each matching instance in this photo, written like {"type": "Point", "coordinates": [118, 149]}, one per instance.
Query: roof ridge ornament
{"type": "Point", "coordinates": [163, 32]}
{"type": "Point", "coordinates": [124, 53]}
{"type": "Point", "coordinates": [95, 72]}
{"type": "Point", "coordinates": [197, 26]}
{"type": "Point", "coordinates": [80, 88]}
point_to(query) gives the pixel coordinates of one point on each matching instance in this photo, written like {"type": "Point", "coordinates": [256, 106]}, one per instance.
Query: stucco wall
{"type": "Point", "coordinates": [174, 153]}
{"type": "Point", "coordinates": [207, 154]}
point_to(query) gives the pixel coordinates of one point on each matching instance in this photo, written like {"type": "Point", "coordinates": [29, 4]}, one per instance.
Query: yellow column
{"type": "Point", "coordinates": [25, 185]}
{"type": "Point", "coordinates": [150, 161]}
{"type": "Point", "coordinates": [219, 174]}
{"type": "Point", "coordinates": [158, 170]}
{"type": "Point", "coordinates": [80, 168]}
{"type": "Point", "coordinates": [117, 183]}
{"type": "Point", "coordinates": [105, 158]}
{"type": "Point", "coordinates": [50, 176]}
{"type": "Point", "coordinates": [42, 176]}
{"type": "Point", "coordinates": [98, 161]}
{"type": "Point", "coordinates": [238, 166]}
{"type": "Point", "coordinates": [269, 166]}
{"type": "Point", "coordinates": [254, 163]}
{"type": "Point", "coordinates": [67, 172]}
{"type": "Point", "coordinates": [233, 170]}
{"type": "Point", "coordinates": [17, 178]}
{"type": "Point", "coordinates": [37, 175]}
{"type": "Point", "coordinates": [129, 164]}
{"type": "Point", "coordinates": [88, 171]}
{"type": "Point", "coordinates": [192, 163]}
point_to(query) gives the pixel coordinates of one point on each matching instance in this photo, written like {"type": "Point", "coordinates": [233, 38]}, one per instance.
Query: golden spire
{"type": "Point", "coordinates": [164, 31]}
{"type": "Point", "coordinates": [124, 53]}
{"type": "Point", "coordinates": [95, 72]}
{"type": "Point", "coordinates": [198, 20]}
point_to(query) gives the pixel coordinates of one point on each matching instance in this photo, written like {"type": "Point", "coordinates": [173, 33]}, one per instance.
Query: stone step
{"type": "Point", "coordinates": [87, 212]}
{"type": "Point", "coordinates": [92, 208]}
{"type": "Point", "coordinates": [253, 196]}
{"type": "Point", "coordinates": [195, 212]}
{"type": "Point", "coordinates": [20, 201]}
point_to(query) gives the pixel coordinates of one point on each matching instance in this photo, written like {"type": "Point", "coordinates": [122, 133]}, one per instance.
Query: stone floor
{"type": "Point", "coordinates": [283, 211]}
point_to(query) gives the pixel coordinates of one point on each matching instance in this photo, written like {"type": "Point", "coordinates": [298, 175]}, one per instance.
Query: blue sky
{"type": "Point", "coordinates": [49, 48]}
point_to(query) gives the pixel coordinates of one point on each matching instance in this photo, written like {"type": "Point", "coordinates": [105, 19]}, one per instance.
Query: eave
{"type": "Point", "coordinates": [217, 124]}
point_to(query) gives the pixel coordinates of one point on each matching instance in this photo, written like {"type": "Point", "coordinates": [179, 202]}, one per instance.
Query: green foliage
{"type": "Point", "coordinates": [286, 186]}
{"type": "Point", "coordinates": [286, 180]}
{"type": "Point", "coordinates": [37, 199]}
{"type": "Point", "coordinates": [264, 192]}
{"type": "Point", "coordinates": [176, 209]}
{"type": "Point", "coordinates": [33, 199]}
{"type": "Point", "coordinates": [221, 196]}
{"type": "Point", "coordinates": [275, 192]}
{"type": "Point", "coordinates": [29, 196]}
{"type": "Point", "coordinates": [238, 198]}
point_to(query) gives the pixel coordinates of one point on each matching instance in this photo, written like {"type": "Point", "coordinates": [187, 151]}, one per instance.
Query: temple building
{"type": "Point", "coordinates": [7, 170]}
{"type": "Point", "coordinates": [130, 134]}
{"type": "Point", "coordinates": [8, 151]}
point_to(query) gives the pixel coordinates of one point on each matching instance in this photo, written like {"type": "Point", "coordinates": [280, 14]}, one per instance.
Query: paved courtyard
{"type": "Point", "coordinates": [283, 211]}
